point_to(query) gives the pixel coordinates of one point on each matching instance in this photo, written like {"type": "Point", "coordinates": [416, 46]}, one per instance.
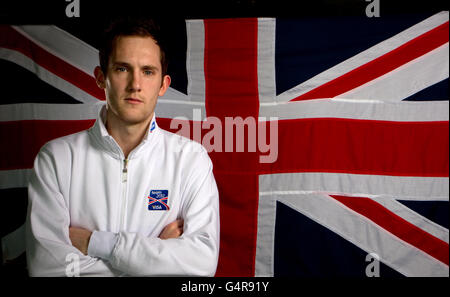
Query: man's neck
{"type": "Point", "coordinates": [127, 136]}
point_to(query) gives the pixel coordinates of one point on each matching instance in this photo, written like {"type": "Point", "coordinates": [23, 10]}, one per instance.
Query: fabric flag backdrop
{"type": "Point", "coordinates": [360, 107]}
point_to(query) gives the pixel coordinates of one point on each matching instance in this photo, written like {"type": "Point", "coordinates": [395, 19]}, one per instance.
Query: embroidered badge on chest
{"type": "Point", "coordinates": [158, 200]}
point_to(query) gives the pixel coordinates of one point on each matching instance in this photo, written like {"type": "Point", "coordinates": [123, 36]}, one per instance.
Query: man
{"type": "Point", "coordinates": [125, 197]}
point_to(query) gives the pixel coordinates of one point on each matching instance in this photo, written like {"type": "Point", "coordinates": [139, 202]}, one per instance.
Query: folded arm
{"type": "Point", "coordinates": [80, 237]}
{"type": "Point", "coordinates": [49, 248]}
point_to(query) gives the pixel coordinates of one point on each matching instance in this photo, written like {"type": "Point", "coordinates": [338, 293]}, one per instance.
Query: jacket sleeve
{"type": "Point", "coordinates": [48, 246]}
{"type": "Point", "coordinates": [195, 252]}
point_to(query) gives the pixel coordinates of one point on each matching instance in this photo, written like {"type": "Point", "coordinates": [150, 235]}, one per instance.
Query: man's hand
{"type": "Point", "coordinates": [173, 230]}
{"type": "Point", "coordinates": [80, 238]}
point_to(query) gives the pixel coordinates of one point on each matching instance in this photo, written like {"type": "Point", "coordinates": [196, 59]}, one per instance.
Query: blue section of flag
{"type": "Point", "coordinates": [175, 31]}
{"type": "Point", "coordinates": [307, 249]}
{"type": "Point", "coordinates": [37, 90]}
{"type": "Point", "coordinates": [436, 211]}
{"type": "Point", "coordinates": [307, 47]}
{"type": "Point", "coordinates": [436, 92]}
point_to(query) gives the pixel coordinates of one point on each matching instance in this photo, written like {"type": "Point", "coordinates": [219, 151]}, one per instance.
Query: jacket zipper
{"type": "Point", "coordinates": [124, 193]}
{"type": "Point", "coordinates": [125, 170]}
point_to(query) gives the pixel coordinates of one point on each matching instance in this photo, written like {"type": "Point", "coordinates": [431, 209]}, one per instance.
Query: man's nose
{"type": "Point", "coordinates": [134, 84]}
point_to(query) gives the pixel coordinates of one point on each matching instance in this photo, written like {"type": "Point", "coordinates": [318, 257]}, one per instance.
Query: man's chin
{"type": "Point", "coordinates": [131, 121]}
{"type": "Point", "coordinates": [132, 117]}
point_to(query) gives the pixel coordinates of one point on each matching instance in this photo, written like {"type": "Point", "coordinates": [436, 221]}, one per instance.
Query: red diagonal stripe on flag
{"type": "Point", "coordinates": [382, 65]}
{"type": "Point", "coordinates": [13, 40]}
{"type": "Point", "coordinates": [398, 226]}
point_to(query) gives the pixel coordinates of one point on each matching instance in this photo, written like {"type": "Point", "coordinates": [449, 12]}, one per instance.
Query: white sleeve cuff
{"type": "Point", "coordinates": [102, 244]}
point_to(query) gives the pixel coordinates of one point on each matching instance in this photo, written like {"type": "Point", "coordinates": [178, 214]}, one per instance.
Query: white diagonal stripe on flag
{"type": "Point", "coordinates": [63, 45]}
{"type": "Point", "coordinates": [407, 79]}
{"type": "Point", "coordinates": [13, 244]}
{"type": "Point", "coordinates": [348, 224]}
{"type": "Point", "coordinates": [365, 56]}
{"type": "Point", "coordinates": [414, 218]}
{"type": "Point", "coordinates": [47, 76]}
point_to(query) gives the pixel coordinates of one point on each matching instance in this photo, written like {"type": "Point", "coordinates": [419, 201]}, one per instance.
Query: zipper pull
{"type": "Point", "coordinates": [125, 170]}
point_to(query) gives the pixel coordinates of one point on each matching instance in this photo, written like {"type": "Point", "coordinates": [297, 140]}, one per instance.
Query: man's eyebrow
{"type": "Point", "coordinates": [150, 67]}
{"type": "Point", "coordinates": [118, 63]}
{"type": "Point", "coordinates": [125, 64]}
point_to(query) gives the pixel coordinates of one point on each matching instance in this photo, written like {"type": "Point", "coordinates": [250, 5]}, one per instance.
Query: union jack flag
{"type": "Point", "coordinates": [362, 105]}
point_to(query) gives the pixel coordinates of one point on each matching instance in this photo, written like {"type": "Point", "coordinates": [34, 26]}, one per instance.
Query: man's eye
{"type": "Point", "coordinates": [148, 72]}
{"type": "Point", "coordinates": [121, 69]}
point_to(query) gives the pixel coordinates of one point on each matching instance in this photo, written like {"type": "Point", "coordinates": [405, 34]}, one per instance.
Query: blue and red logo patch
{"type": "Point", "coordinates": [158, 200]}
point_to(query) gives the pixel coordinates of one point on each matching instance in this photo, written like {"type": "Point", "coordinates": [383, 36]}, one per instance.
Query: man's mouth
{"type": "Point", "coordinates": [133, 100]}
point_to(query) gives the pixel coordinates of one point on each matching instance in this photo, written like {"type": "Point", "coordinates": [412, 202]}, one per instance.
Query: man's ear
{"type": "Point", "coordinates": [99, 77]}
{"type": "Point", "coordinates": [164, 85]}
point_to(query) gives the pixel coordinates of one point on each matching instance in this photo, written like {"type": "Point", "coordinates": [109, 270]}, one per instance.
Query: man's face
{"type": "Point", "coordinates": [133, 81]}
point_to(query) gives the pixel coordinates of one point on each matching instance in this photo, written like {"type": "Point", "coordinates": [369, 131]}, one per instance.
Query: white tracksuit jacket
{"type": "Point", "coordinates": [80, 180]}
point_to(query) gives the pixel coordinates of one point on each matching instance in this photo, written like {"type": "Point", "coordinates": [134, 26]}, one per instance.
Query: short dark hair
{"type": "Point", "coordinates": [131, 26]}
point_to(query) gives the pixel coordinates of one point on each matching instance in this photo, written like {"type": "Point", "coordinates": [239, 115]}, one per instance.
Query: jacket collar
{"type": "Point", "coordinates": [108, 143]}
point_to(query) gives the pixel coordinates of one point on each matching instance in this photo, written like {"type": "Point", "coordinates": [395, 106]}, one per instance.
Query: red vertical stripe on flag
{"type": "Point", "coordinates": [231, 86]}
